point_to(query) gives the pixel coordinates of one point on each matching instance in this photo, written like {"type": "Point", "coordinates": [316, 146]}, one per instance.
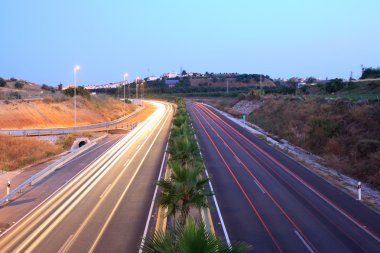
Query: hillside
{"type": "Point", "coordinates": [58, 111]}
{"type": "Point", "coordinates": [344, 133]}
{"type": "Point", "coordinates": [232, 82]}
{"type": "Point", "coordinates": [29, 90]}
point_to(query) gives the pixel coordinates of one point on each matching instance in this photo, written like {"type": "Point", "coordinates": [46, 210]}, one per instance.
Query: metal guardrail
{"type": "Point", "coordinates": [65, 130]}
{"type": "Point", "coordinates": [47, 171]}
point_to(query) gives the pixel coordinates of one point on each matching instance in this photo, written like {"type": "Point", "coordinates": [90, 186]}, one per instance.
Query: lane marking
{"type": "Point", "coordinates": [156, 189]}
{"type": "Point", "coordinates": [240, 187]}
{"type": "Point", "coordinates": [81, 228]}
{"type": "Point", "coordinates": [126, 162]}
{"type": "Point", "coordinates": [108, 157]}
{"type": "Point", "coordinates": [68, 242]}
{"type": "Point", "coordinates": [100, 234]}
{"type": "Point", "coordinates": [218, 211]}
{"type": "Point", "coordinates": [105, 191]}
{"type": "Point", "coordinates": [304, 242]}
{"type": "Point", "coordinates": [303, 182]}
{"type": "Point", "coordinates": [259, 186]}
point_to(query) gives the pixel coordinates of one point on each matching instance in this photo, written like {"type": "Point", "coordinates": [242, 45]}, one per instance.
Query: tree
{"type": "Point", "coordinates": [80, 91]}
{"type": "Point", "coordinates": [3, 83]}
{"type": "Point", "coordinates": [293, 81]}
{"type": "Point", "coordinates": [334, 85]}
{"type": "Point", "coordinates": [184, 73]}
{"type": "Point", "coordinates": [185, 189]}
{"type": "Point", "coordinates": [191, 237]}
{"type": "Point", "coordinates": [184, 149]}
{"type": "Point", "coordinates": [19, 85]}
{"type": "Point", "coordinates": [310, 80]}
{"type": "Point", "coordinates": [370, 73]}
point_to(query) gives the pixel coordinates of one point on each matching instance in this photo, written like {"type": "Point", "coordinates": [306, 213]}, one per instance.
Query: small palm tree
{"type": "Point", "coordinates": [183, 130]}
{"type": "Point", "coordinates": [185, 189]}
{"type": "Point", "coordinates": [191, 237]}
{"type": "Point", "coordinates": [184, 149]}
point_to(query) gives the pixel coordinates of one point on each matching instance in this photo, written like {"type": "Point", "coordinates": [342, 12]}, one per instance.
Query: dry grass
{"type": "Point", "coordinates": [344, 133]}
{"type": "Point", "coordinates": [16, 152]}
{"type": "Point", "coordinates": [56, 111]}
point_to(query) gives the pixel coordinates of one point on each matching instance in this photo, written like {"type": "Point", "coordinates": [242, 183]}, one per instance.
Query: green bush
{"type": "Point", "coordinates": [2, 82]}
{"type": "Point", "coordinates": [13, 95]}
{"type": "Point", "coordinates": [80, 91]}
{"type": "Point", "coordinates": [370, 73]}
{"type": "Point", "coordinates": [19, 85]}
{"type": "Point", "coordinates": [334, 85]}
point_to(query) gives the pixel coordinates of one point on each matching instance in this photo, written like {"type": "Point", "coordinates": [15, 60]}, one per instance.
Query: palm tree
{"type": "Point", "coordinates": [184, 149]}
{"type": "Point", "coordinates": [185, 189]}
{"type": "Point", "coordinates": [191, 237]}
{"type": "Point", "coordinates": [182, 130]}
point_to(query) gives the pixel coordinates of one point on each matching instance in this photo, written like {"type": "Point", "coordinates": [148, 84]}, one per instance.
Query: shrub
{"type": "Point", "coordinates": [370, 73]}
{"type": "Point", "coordinates": [13, 95]}
{"type": "Point", "coordinates": [13, 79]}
{"type": "Point", "coordinates": [80, 91]}
{"type": "Point", "coordinates": [19, 85]}
{"type": "Point", "coordinates": [366, 147]}
{"type": "Point", "coordinates": [3, 83]}
{"type": "Point", "coordinates": [334, 85]}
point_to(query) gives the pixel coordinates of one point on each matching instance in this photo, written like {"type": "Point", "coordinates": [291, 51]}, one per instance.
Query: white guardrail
{"type": "Point", "coordinates": [66, 130]}
{"type": "Point", "coordinates": [48, 170]}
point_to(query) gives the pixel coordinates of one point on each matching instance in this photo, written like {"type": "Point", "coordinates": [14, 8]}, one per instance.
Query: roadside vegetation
{"type": "Point", "coordinates": [184, 191]}
{"type": "Point", "coordinates": [343, 132]}
{"type": "Point", "coordinates": [17, 152]}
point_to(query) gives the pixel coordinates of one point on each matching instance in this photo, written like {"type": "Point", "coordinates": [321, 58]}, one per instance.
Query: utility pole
{"type": "Point", "coordinates": [227, 85]}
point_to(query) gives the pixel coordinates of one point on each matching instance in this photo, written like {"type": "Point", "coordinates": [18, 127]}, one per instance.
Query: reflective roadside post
{"type": "Point", "coordinates": [359, 191]}
{"type": "Point", "coordinates": [8, 188]}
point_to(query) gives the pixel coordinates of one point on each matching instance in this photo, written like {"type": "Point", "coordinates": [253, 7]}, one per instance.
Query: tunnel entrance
{"type": "Point", "coordinates": [82, 143]}
{"type": "Point", "coordinates": [79, 142]}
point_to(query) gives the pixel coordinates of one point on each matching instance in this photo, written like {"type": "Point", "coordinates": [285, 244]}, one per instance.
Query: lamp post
{"type": "Point", "coordinates": [76, 68]}
{"type": "Point", "coordinates": [125, 76]}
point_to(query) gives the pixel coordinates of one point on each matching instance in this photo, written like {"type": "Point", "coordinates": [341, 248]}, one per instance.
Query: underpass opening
{"type": "Point", "coordinates": [82, 143]}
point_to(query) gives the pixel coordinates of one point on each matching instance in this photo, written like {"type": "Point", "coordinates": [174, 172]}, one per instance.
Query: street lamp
{"type": "Point", "coordinates": [125, 76]}
{"type": "Point", "coordinates": [76, 68]}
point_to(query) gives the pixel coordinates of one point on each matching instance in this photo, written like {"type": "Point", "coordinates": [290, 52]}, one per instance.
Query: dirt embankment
{"type": "Point", "coordinates": [59, 112]}
{"type": "Point", "coordinates": [345, 134]}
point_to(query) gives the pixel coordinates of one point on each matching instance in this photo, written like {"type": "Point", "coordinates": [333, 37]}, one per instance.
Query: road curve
{"type": "Point", "coordinates": [103, 209]}
{"type": "Point", "coordinates": [274, 203]}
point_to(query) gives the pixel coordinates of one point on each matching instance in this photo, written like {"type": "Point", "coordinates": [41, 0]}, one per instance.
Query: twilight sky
{"type": "Point", "coordinates": [42, 40]}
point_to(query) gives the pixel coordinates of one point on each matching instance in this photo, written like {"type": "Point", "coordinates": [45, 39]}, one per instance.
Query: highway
{"type": "Point", "coordinates": [272, 202]}
{"type": "Point", "coordinates": [105, 208]}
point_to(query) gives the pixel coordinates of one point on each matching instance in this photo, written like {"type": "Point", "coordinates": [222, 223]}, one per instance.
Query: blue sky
{"type": "Point", "coordinates": [42, 40]}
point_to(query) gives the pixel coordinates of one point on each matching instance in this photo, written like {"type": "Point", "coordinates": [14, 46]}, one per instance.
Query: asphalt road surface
{"type": "Point", "coordinates": [104, 208]}
{"type": "Point", "coordinates": [274, 203]}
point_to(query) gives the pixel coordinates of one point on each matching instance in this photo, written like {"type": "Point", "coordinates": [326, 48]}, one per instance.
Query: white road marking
{"type": "Point", "coordinates": [261, 189]}
{"type": "Point", "coordinates": [304, 242]}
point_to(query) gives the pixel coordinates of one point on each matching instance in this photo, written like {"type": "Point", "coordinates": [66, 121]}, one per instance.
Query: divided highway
{"type": "Point", "coordinates": [274, 203]}
{"type": "Point", "coordinates": [105, 208]}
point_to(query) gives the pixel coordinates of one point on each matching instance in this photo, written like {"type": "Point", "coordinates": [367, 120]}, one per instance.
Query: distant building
{"type": "Point", "coordinates": [152, 78]}
{"type": "Point", "coordinates": [170, 75]}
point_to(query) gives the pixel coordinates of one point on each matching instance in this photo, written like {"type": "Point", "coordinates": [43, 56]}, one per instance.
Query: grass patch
{"type": "Point", "coordinates": [17, 152]}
